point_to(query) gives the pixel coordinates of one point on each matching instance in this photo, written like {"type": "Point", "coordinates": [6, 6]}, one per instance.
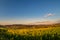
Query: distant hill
{"type": "Point", "coordinates": [22, 26]}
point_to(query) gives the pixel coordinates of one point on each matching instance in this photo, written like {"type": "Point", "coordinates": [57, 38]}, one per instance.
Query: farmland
{"type": "Point", "coordinates": [32, 33]}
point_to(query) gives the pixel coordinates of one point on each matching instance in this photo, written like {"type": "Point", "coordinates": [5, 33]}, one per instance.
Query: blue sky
{"type": "Point", "coordinates": [28, 11]}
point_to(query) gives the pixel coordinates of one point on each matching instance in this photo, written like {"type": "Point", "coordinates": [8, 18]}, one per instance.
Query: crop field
{"type": "Point", "coordinates": [51, 33]}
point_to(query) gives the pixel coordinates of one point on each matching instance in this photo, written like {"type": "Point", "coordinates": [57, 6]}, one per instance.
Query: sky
{"type": "Point", "coordinates": [28, 11]}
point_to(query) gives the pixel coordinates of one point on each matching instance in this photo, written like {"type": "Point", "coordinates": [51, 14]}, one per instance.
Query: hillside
{"type": "Point", "coordinates": [21, 26]}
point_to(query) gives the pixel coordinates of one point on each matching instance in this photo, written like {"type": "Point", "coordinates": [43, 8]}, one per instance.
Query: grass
{"type": "Point", "coordinates": [52, 33]}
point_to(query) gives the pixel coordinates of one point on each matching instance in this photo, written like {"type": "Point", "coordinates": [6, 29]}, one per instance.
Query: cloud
{"type": "Point", "coordinates": [49, 14]}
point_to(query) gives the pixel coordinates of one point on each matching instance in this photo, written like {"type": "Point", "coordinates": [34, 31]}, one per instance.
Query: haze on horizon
{"type": "Point", "coordinates": [29, 11]}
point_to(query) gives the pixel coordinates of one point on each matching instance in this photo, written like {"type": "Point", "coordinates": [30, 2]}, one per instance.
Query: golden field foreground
{"type": "Point", "coordinates": [44, 33]}
{"type": "Point", "coordinates": [35, 31]}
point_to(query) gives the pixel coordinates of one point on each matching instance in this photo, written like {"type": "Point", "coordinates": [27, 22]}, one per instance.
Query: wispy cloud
{"type": "Point", "coordinates": [48, 15]}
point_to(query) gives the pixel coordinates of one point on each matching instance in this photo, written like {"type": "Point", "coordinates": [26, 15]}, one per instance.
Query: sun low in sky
{"type": "Point", "coordinates": [29, 11]}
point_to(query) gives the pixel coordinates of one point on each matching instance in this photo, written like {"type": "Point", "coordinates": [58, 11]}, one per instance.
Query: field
{"type": "Point", "coordinates": [49, 33]}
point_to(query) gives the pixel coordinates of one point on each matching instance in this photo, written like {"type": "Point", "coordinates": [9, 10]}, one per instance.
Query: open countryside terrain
{"type": "Point", "coordinates": [30, 32]}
